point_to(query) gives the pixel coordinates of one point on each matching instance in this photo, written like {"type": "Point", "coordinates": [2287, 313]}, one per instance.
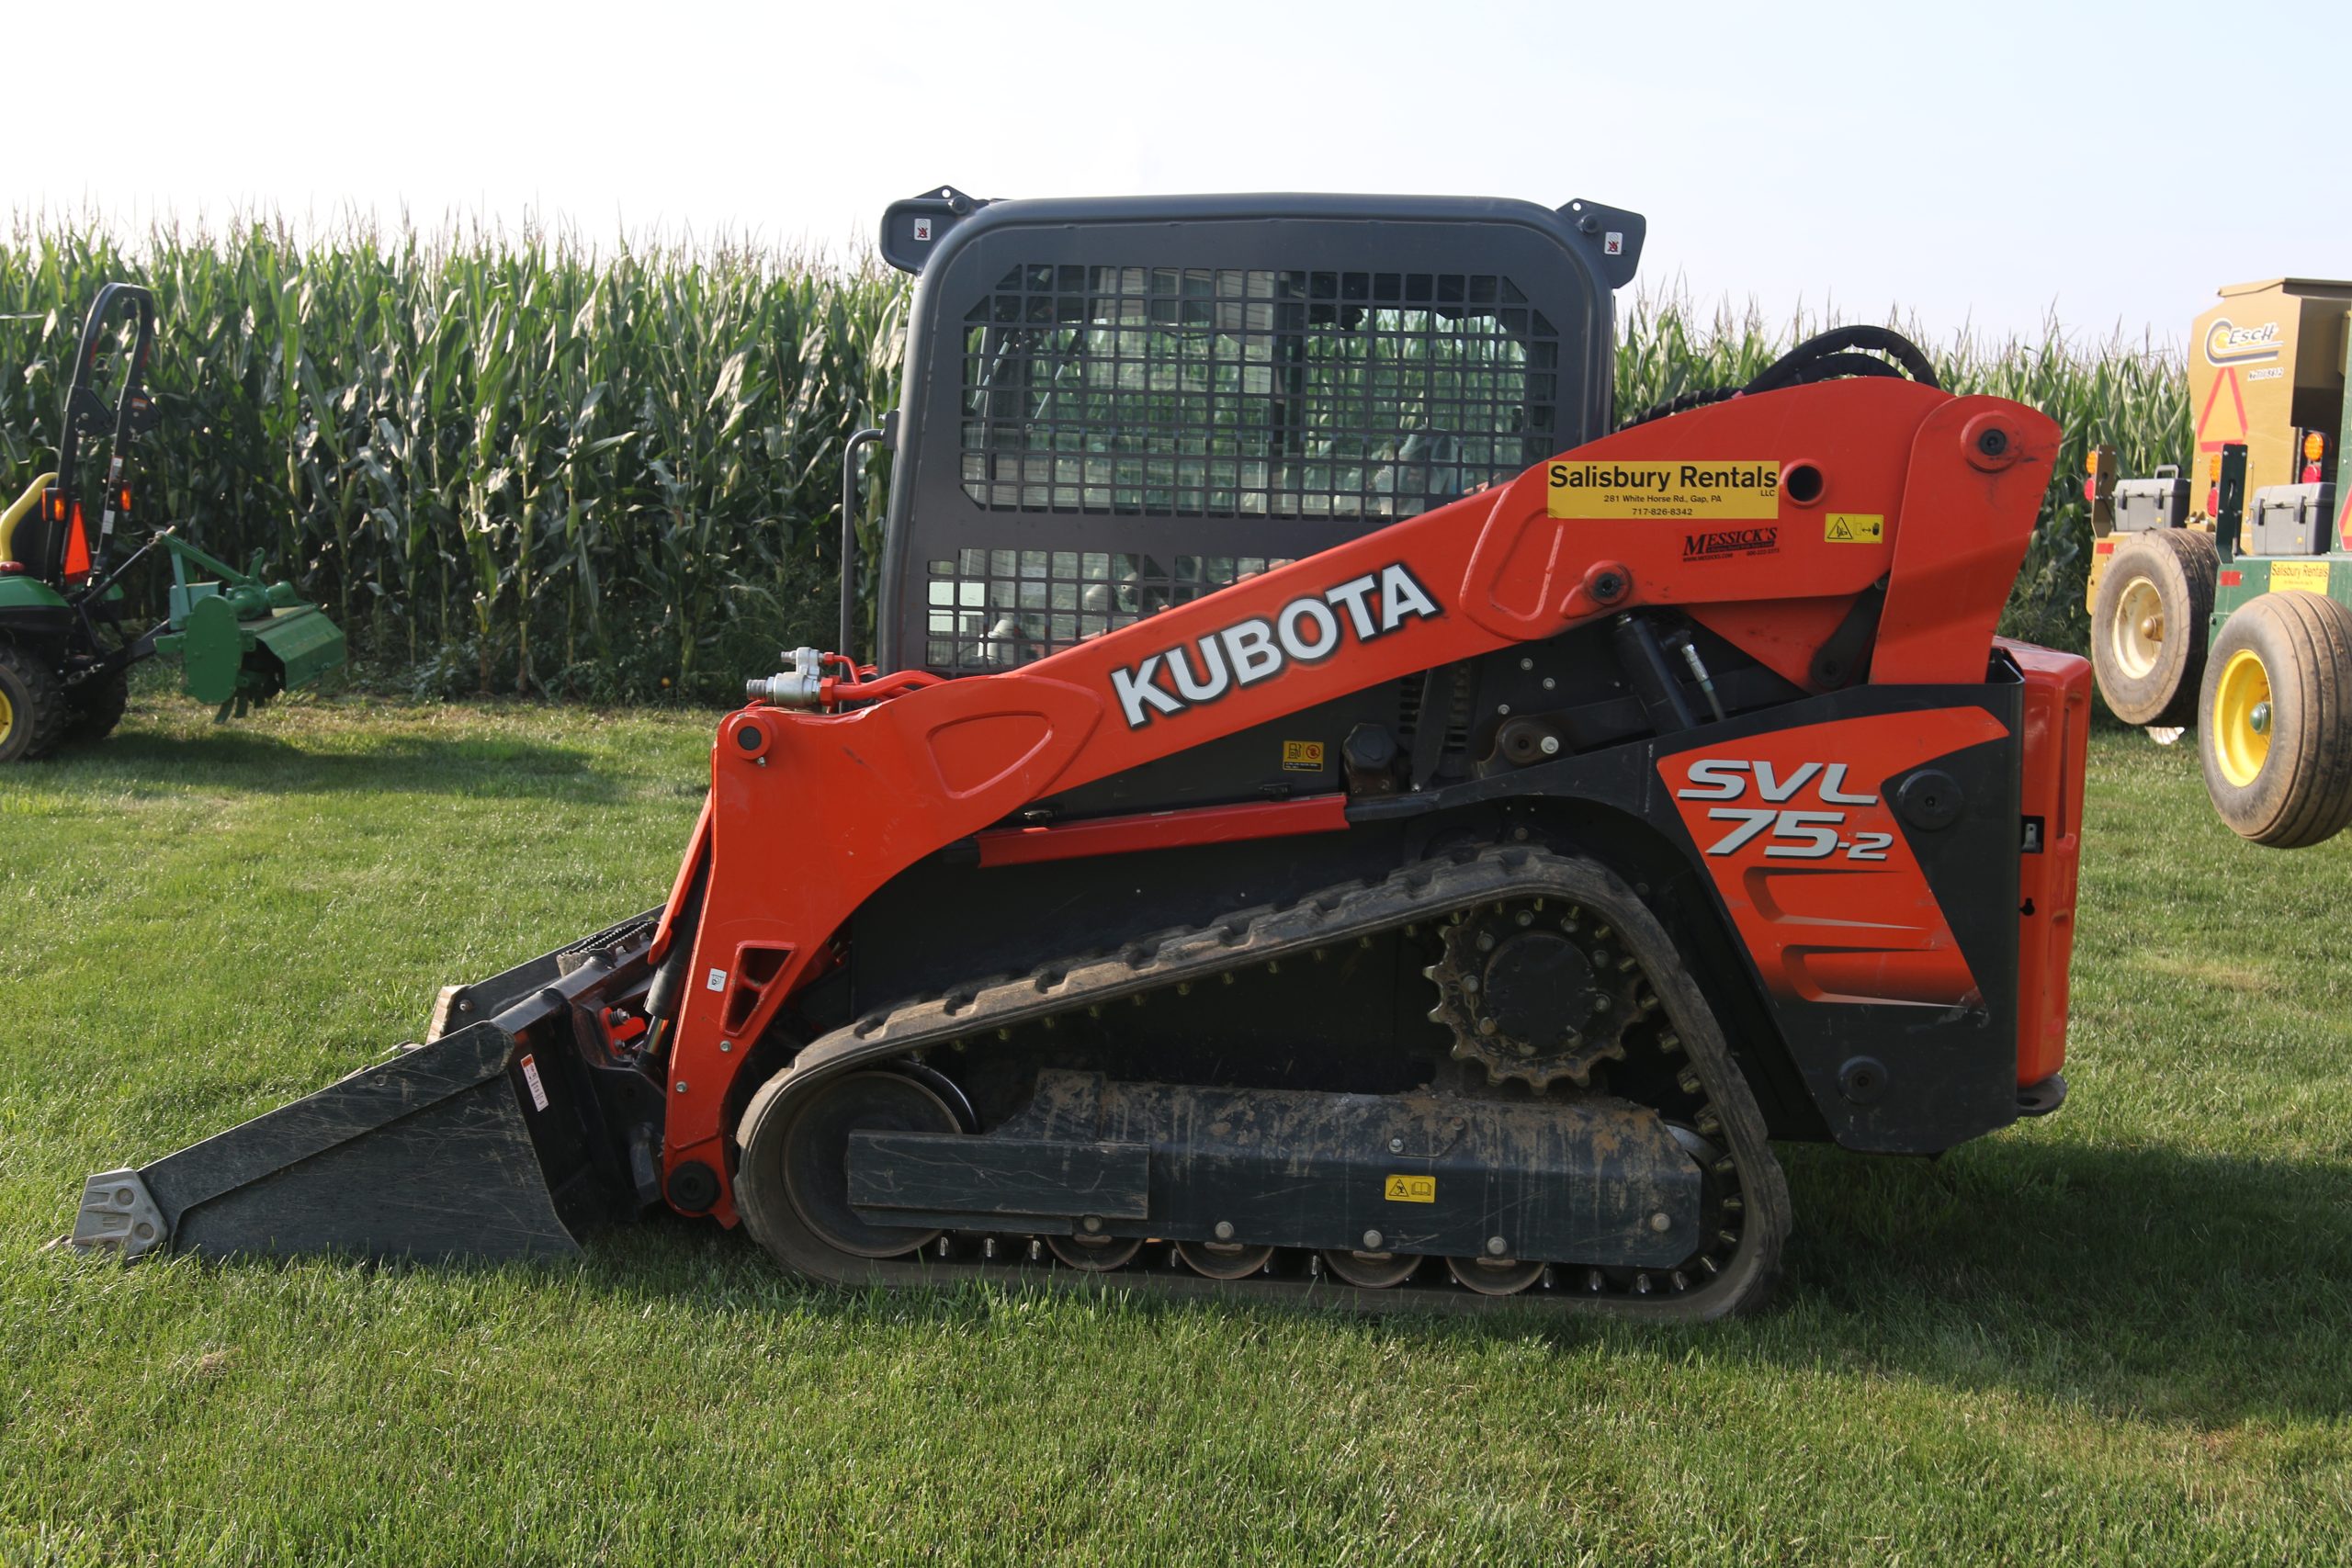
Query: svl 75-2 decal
{"type": "Point", "coordinates": [1790, 833]}
{"type": "Point", "coordinates": [1814, 871]}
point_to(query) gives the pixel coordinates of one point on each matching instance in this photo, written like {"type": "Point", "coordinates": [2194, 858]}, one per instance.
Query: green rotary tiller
{"type": "Point", "coordinates": [65, 651]}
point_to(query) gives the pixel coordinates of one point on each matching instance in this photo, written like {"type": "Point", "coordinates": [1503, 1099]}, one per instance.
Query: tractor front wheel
{"type": "Point", "coordinates": [2275, 719]}
{"type": "Point", "coordinates": [32, 709]}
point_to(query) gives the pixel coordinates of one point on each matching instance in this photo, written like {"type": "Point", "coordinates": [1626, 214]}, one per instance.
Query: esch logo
{"type": "Point", "coordinates": [1308, 630]}
{"type": "Point", "coordinates": [2226, 343]}
{"type": "Point", "coordinates": [1730, 541]}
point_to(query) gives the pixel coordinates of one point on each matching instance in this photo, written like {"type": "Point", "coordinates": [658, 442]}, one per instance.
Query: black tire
{"type": "Point", "coordinates": [2149, 625]}
{"type": "Point", "coordinates": [2275, 720]}
{"type": "Point", "coordinates": [32, 709]}
{"type": "Point", "coordinates": [95, 707]}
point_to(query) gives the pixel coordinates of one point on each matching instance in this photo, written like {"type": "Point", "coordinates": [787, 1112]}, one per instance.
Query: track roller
{"type": "Point", "coordinates": [1094, 1254]}
{"type": "Point", "coordinates": [1224, 1260]}
{"type": "Point", "coordinates": [1371, 1271]}
{"type": "Point", "coordinates": [1494, 1276]}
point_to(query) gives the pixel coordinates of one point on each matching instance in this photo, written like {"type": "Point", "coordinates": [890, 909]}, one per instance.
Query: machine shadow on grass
{"type": "Point", "coordinates": [488, 767]}
{"type": "Point", "coordinates": [2150, 1282]}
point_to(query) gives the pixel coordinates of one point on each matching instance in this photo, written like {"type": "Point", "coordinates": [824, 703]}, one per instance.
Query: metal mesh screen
{"type": "Point", "coordinates": [1219, 392]}
{"type": "Point", "coordinates": [997, 609]}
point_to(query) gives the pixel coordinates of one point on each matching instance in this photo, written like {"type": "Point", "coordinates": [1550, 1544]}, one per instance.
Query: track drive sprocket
{"type": "Point", "coordinates": [1536, 991]}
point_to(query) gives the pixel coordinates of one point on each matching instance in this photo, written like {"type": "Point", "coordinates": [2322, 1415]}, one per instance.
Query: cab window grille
{"type": "Point", "coordinates": [1225, 392]}
{"type": "Point", "coordinates": [998, 609]}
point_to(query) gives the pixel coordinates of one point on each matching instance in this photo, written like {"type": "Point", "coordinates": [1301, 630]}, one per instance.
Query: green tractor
{"type": "Point", "coordinates": [2231, 611]}
{"type": "Point", "coordinates": [65, 650]}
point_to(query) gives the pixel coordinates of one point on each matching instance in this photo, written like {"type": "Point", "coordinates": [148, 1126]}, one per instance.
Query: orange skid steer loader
{"type": "Point", "coordinates": [1342, 816]}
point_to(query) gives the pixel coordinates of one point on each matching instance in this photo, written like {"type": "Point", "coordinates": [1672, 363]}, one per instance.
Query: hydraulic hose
{"type": "Point", "coordinates": [1843, 350]}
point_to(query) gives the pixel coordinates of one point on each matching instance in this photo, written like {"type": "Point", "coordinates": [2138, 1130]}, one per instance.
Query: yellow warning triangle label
{"type": "Point", "coordinates": [1837, 529]}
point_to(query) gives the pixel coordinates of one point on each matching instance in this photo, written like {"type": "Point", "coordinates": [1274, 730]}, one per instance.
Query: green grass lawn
{"type": "Point", "coordinates": [2120, 1333]}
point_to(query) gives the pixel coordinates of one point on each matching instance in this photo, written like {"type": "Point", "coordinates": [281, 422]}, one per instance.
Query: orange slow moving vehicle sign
{"type": "Point", "coordinates": [810, 813]}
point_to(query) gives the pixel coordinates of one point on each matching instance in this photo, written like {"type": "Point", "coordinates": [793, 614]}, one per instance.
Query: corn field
{"type": "Point", "coordinates": [511, 464]}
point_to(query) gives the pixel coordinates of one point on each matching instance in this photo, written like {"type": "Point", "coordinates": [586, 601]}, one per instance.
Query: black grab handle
{"type": "Point", "coordinates": [85, 414]}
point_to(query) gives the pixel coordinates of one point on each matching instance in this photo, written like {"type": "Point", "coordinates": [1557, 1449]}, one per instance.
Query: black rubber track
{"type": "Point", "coordinates": [1741, 1278]}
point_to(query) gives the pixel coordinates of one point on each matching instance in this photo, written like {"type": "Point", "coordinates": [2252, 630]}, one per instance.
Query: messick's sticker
{"type": "Point", "coordinates": [2301, 575]}
{"type": "Point", "coordinates": [1663, 488]}
{"type": "Point", "coordinates": [1303, 756]}
{"type": "Point", "coordinates": [531, 1077]}
{"type": "Point", "coordinates": [1410, 1189]}
{"type": "Point", "coordinates": [1854, 528]}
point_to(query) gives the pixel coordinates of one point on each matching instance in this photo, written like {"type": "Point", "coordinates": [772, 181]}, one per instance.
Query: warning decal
{"type": "Point", "coordinates": [1854, 528]}
{"type": "Point", "coordinates": [2301, 575]}
{"type": "Point", "coordinates": [1656, 487]}
{"type": "Point", "coordinates": [1303, 756]}
{"type": "Point", "coordinates": [1410, 1189]}
{"type": "Point", "coordinates": [531, 1077]}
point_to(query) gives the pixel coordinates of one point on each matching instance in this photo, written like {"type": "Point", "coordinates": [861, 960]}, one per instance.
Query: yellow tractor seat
{"type": "Point", "coordinates": [18, 513]}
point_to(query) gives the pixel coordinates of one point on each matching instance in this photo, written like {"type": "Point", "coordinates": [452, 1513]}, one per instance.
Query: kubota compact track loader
{"type": "Point", "coordinates": [1342, 817]}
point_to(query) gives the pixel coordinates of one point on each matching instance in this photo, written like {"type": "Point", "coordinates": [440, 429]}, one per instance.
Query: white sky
{"type": "Point", "coordinates": [1973, 163]}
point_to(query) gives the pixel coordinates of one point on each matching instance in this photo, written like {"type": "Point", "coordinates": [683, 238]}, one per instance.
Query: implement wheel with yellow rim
{"type": "Point", "coordinates": [32, 710]}
{"type": "Point", "coordinates": [2275, 719]}
{"type": "Point", "coordinates": [2149, 625]}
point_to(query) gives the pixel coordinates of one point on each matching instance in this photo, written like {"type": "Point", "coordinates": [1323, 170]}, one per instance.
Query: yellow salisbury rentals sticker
{"type": "Point", "coordinates": [1854, 528]}
{"type": "Point", "coordinates": [2301, 576]}
{"type": "Point", "coordinates": [1654, 486]}
{"type": "Point", "coordinates": [1411, 1190]}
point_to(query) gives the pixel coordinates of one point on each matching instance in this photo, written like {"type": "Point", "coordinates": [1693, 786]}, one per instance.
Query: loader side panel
{"type": "Point", "coordinates": [1869, 865]}
{"type": "Point", "coordinates": [1885, 990]}
{"type": "Point", "coordinates": [2057, 737]}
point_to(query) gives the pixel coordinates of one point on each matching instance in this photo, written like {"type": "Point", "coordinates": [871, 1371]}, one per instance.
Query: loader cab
{"type": "Point", "coordinates": [1113, 406]}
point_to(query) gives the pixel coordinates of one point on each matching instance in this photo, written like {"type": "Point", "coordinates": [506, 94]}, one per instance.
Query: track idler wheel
{"type": "Point", "coordinates": [793, 1187]}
